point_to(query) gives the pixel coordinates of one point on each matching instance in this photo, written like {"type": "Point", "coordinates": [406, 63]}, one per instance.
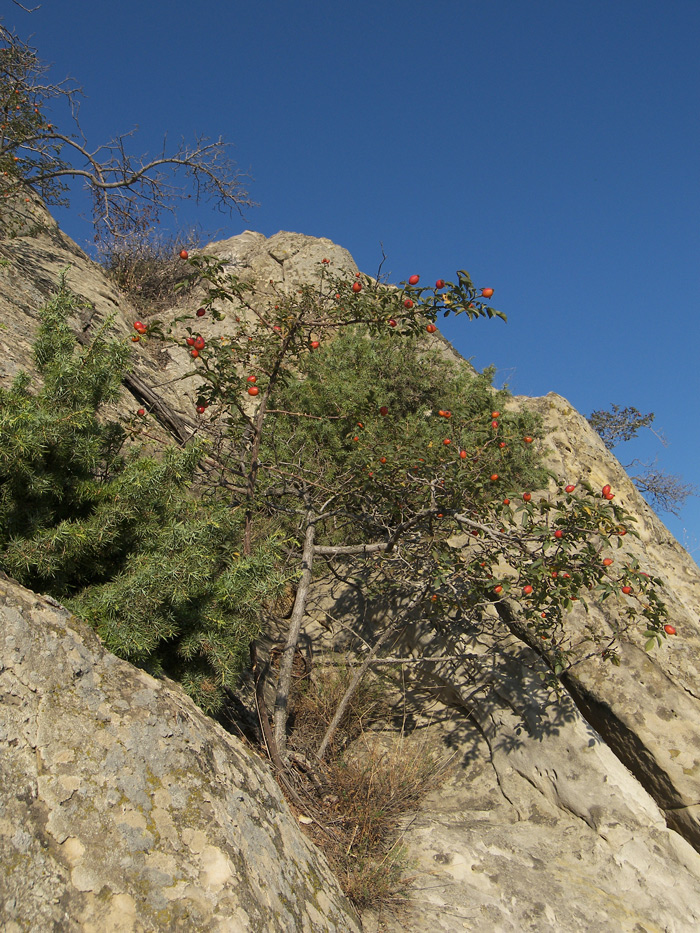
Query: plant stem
{"type": "Point", "coordinates": [284, 680]}
{"type": "Point", "coordinates": [360, 673]}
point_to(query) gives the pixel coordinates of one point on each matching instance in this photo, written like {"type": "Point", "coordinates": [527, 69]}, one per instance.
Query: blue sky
{"type": "Point", "coordinates": [550, 148]}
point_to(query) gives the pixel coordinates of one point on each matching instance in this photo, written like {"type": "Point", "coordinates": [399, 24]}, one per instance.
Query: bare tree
{"type": "Point", "coordinates": [665, 491]}
{"type": "Point", "coordinates": [127, 190]}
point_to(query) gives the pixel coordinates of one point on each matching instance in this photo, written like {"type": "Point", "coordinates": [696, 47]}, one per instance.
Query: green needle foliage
{"type": "Point", "coordinates": [399, 391]}
{"type": "Point", "coordinates": [368, 420]}
{"type": "Point", "coordinates": [120, 538]}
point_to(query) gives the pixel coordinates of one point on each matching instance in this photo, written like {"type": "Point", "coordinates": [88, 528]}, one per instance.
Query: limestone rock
{"type": "Point", "coordinates": [285, 258]}
{"type": "Point", "coordinates": [37, 253]}
{"type": "Point", "coordinates": [124, 808]}
{"type": "Point", "coordinates": [647, 709]}
{"type": "Point", "coordinates": [32, 261]}
{"type": "Point", "coordinates": [541, 827]}
{"type": "Point", "coordinates": [551, 821]}
{"type": "Point", "coordinates": [488, 856]}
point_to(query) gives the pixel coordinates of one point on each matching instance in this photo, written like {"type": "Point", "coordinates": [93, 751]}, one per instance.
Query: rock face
{"type": "Point", "coordinates": [579, 813]}
{"type": "Point", "coordinates": [648, 708]}
{"type": "Point", "coordinates": [34, 258]}
{"type": "Point", "coordinates": [509, 859]}
{"type": "Point", "coordinates": [31, 263]}
{"type": "Point", "coordinates": [123, 808]}
{"type": "Point", "coordinates": [540, 826]}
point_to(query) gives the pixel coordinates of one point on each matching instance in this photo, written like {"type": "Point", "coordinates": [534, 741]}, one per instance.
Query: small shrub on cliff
{"type": "Point", "coordinates": [369, 782]}
{"type": "Point", "coordinates": [336, 417]}
{"type": "Point", "coordinates": [666, 492]}
{"type": "Point", "coordinates": [119, 537]}
{"type": "Point", "coordinates": [145, 265]}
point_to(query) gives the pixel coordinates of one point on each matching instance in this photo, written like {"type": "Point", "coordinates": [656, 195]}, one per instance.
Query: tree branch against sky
{"type": "Point", "coordinates": [129, 192]}
{"type": "Point", "coordinates": [601, 100]}
{"type": "Point", "coordinates": [666, 492]}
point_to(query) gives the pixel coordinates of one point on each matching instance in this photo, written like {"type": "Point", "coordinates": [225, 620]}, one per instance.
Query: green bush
{"type": "Point", "coordinates": [338, 416]}
{"type": "Point", "coordinates": [360, 400]}
{"type": "Point", "coordinates": [119, 537]}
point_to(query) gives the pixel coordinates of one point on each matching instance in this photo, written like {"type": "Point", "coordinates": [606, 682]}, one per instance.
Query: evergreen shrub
{"type": "Point", "coordinates": [120, 537]}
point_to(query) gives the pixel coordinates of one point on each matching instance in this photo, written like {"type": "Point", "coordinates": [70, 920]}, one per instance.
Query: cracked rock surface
{"type": "Point", "coordinates": [552, 821]}
{"type": "Point", "coordinates": [648, 708]}
{"type": "Point", "coordinates": [540, 826]}
{"type": "Point", "coordinates": [491, 851]}
{"type": "Point", "coordinates": [124, 808]}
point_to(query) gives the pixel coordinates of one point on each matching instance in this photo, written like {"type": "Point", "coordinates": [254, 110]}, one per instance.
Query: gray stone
{"type": "Point", "coordinates": [540, 827]}
{"type": "Point", "coordinates": [648, 708]}
{"type": "Point", "coordinates": [563, 815]}
{"type": "Point", "coordinates": [489, 858]}
{"type": "Point", "coordinates": [123, 807]}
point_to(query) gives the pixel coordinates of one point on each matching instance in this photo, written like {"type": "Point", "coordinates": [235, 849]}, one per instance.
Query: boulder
{"type": "Point", "coordinates": [583, 850]}
{"type": "Point", "coordinates": [124, 808]}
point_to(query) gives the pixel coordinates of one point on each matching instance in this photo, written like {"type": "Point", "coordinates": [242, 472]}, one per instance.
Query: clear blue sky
{"type": "Point", "coordinates": [550, 148]}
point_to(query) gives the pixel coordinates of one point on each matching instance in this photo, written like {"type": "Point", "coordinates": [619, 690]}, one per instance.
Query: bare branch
{"type": "Point", "coordinates": [284, 680]}
{"type": "Point", "coordinates": [128, 191]}
{"type": "Point", "coordinates": [369, 659]}
{"type": "Point", "coordinates": [667, 491]}
{"type": "Point", "coordinates": [344, 550]}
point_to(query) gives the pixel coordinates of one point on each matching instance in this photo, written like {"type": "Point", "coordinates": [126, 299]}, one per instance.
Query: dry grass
{"type": "Point", "coordinates": [147, 266]}
{"type": "Point", "coordinates": [374, 792]}
{"type": "Point", "coordinates": [369, 783]}
{"type": "Point", "coordinates": [316, 699]}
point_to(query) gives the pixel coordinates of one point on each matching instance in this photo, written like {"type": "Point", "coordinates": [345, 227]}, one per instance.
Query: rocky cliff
{"type": "Point", "coordinates": [580, 813]}
{"type": "Point", "coordinates": [124, 808]}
